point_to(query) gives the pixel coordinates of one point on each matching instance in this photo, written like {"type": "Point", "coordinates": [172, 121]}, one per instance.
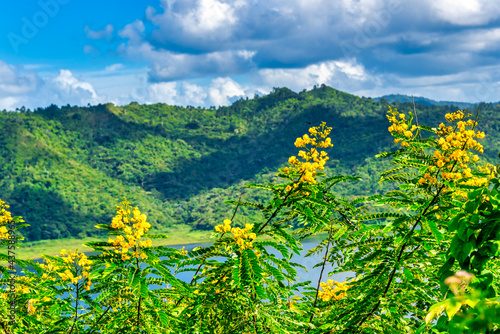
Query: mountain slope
{"type": "Point", "coordinates": [425, 101]}
{"type": "Point", "coordinates": [65, 169]}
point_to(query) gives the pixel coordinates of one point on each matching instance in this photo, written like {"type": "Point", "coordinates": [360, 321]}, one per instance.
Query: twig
{"type": "Point", "coordinates": [321, 276]}
{"type": "Point", "coordinates": [279, 207]}
{"type": "Point", "coordinates": [140, 299]}
{"type": "Point", "coordinates": [76, 307]}
{"type": "Point", "coordinates": [416, 119]}
{"type": "Point", "coordinates": [102, 315]}
{"type": "Point", "coordinates": [203, 262]}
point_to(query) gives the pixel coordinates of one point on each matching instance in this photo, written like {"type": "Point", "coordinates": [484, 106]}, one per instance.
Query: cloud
{"type": "Point", "coordinates": [133, 32]}
{"type": "Point", "coordinates": [478, 40]}
{"type": "Point", "coordinates": [165, 92]}
{"type": "Point", "coordinates": [465, 12]}
{"type": "Point", "coordinates": [209, 16]}
{"type": "Point", "coordinates": [211, 52]}
{"type": "Point", "coordinates": [298, 33]}
{"type": "Point", "coordinates": [14, 81]}
{"type": "Point", "coordinates": [344, 75]}
{"type": "Point", "coordinates": [113, 68]}
{"type": "Point", "coordinates": [176, 93]}
{"type": "Point", "coordinates": [90, 50]}
{"type": "Point", "coordinates": [167, 66]}
{"type": "Point", "coordinates": [171, 66]}
{"type": "Point", "coordinates": [222, 90]}
{"type": "Point", "coordinates": [106, 33]}
{"type": "Point", "coordinates": [68, 88]}
{"type": "Point", "coordinates": [20, 87]}
{"type": "Point", "coordinates": [353, 45]}
{"type": "Point", "coordinates": [208, 20]}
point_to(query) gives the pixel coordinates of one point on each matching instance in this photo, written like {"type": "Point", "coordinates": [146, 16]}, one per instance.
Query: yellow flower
{"type": "Point", "coordinates": [31, 306]}
{"type": "Point", "coordinates": [183, 251]}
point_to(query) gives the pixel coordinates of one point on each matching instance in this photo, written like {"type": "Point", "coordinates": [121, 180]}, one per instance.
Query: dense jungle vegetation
{"type": "Point", "coordinates": [63, 169]}
{"type": "Point", "coordinates": [426, 262]}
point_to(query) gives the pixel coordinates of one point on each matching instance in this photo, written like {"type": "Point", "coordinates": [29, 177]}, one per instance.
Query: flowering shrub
{"type": "Point", "coordinates": [444, 215]}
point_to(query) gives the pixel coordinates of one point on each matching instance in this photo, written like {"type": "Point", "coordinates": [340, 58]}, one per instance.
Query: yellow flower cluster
{"type": "Point", "coordinates": [183, 251]}
{"type": "Point", "coordinates": [428, 178]}
{"type": "Point", "coordinates": [50, 267]}
{"type": "Point", "coordinates": [488, 168]}
{"type": "Point", "coordinates": [76, 258]}
{"type": "Point", "coordinates": [133, 223]}
{"type": "Point", "coordinates": [239, 234]}
{"type": "Point", "coordinates": [5, 217]}
{"type": "Point", "coordinates": [399, 126]}
{"type": "Point", "coordinates": [23, 284]}
{"type": "Point", "coordinates": [31, 308]}
{"type": "Point", "coordinates": [454, 158]}
{"type": "Point", "coordinates": [333, 290]}
{"type": "Point", "coordinates": [309, 169]}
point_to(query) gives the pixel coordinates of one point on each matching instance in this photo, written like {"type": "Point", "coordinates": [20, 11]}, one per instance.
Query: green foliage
{"type": "Point", "coordinates": [183, 164]}
{"type": "Point", "coordinates": [429, 244]}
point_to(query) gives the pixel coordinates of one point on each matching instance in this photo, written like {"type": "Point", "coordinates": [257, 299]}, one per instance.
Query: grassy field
{"type": "Point", "coordinates": [178, 235]}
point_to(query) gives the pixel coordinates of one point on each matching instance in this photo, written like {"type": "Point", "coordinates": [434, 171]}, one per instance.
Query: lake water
{"type": "Point", "coordinates": [311, 274]}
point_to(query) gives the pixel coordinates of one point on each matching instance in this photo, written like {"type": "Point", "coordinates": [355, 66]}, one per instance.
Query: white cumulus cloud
{"type": "Point", "coordinates": [21, 87]}
{"type": "Point", "coordinates": [339, 74]}
{"type": "Point", "coordinates": [68, 88]}
{"type": "Point", "coordinates": [221, 90]}
{"type": "Point", "coordinates": [465, 12]}
{"type": "Point", "coordinates": [106, 33]}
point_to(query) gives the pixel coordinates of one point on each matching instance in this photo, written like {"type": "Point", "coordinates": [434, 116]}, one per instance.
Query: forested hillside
{"type": "Point", "coordinates": [65, 169]}
{"type": "Point", "coordinates": [423, 100]}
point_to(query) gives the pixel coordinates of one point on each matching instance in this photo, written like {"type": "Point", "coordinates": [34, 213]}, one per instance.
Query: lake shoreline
{"type": "Point", "coordinates": [181, 235]}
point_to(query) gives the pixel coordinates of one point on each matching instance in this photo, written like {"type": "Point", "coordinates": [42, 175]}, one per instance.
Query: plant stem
{"type": "Point", "coordinates": [321, 275]}
{"type": "Point", "coordinates": [203, 262]}
{"type": "Point", "coordinates": [102, 315]}
{"type": "Point", "coordinates": [140, 298]}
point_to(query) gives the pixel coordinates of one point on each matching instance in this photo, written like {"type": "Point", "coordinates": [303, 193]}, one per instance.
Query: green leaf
{"type": "Point", "coordinates": [434, 230]}
{"type": "Point", "coordinates": [434, 311]}
{"type": "Point", "coordinates": [144, 288]}
{"type": "Point", "coordinates": [134, 277]}
{"type": "Point", "coordinates": [408, 274]}
{"type": "Point", "coordinates": [105, 227]}
{"type": "Point", "coordinates": [452, 307]}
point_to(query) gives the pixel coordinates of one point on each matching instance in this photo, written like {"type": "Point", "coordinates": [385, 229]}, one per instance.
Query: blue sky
{"type": "Point", "coordinates": [212, 52]}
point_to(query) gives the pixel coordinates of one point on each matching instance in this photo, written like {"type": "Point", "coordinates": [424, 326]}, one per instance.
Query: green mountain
{"type": "Point", "coordinates": [65, 169]}
{"type": "Point", "coordinates": [425, 101]}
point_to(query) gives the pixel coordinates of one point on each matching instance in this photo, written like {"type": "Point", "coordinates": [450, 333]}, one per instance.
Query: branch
{"type": "Point", "coordinates": [102, 315]}
{"type": "Point", "coordinates": [203, 262]}
{"type": "Point", "coordinates": [321, 275]}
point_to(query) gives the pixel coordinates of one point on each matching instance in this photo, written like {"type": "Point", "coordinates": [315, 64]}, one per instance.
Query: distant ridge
{"type": "Point", "coordinates": [425, 101]}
